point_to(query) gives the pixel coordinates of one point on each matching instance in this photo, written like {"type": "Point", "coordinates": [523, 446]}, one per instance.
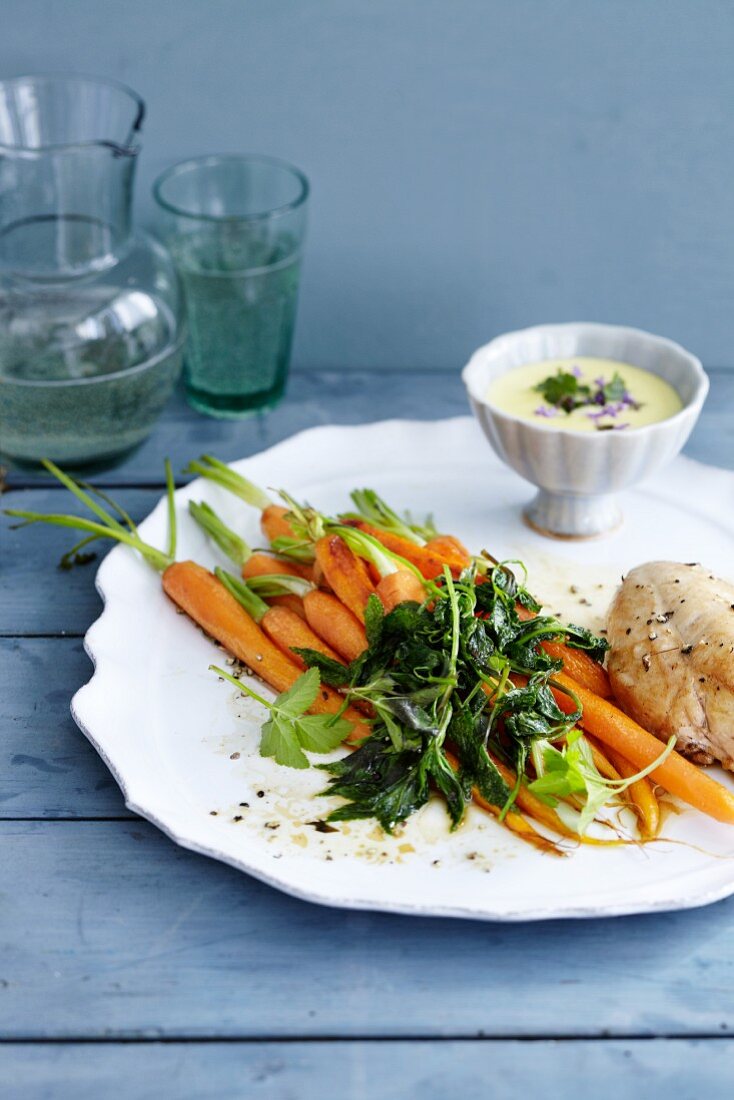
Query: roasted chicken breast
{"type": "Point", "coordinates": [671, 661]}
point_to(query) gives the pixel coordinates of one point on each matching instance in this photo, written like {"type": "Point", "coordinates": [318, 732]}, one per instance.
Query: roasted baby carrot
{"type": "Point", "coordinates": [398, 587]}
{"type": "Point", "coordinates": [514, 821]}
{"type": "Point", "coordinates": [449, 548]}
{"type": "Point", "coordinates": [531, 804]}
{"type": "Point", "coordinates": [581, 667]}
{"type": "Point", "coordinates": [576, 663]}
{"type": "Point", "coordinates": [289, 602]}
{"type": "Point", "coordinates": [603, 762]}
{"type": "Point", "coordinates": [335, 624]}
{"type": "Point", "coordinates": [266, 565]}
{"type": "Point", "coordinates": [345, 573]}
{"type": "Point", "coordinates": [517, 824]}
{"type": "Point", "coordinates": [642, 795]}
{"type": "Point", "coordinates": [620, 732]}
{"type": "Point", "coordinates": [290, 632]}
{"type": "Point", "coordinates": [274, 524]}
{"type": "Point", "coordinates": [205, 600]}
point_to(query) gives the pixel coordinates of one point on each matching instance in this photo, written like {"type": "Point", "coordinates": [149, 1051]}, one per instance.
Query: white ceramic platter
{"type": "Point", "coordinates": [184, 747]}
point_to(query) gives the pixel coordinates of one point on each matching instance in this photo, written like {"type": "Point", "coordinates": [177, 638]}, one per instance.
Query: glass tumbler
{"type": "Point", "coordinates": [235, 227]}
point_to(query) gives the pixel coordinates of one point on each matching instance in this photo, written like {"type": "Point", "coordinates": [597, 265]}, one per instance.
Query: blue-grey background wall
{"type": "Point", "coordinates": [477, 165]}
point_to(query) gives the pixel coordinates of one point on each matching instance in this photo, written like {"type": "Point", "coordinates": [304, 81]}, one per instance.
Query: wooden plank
{"type": "Point", "coordinates": [108, 930]}
{"type": "Point", "coordinates": [47, 767]}
{"type": "Point", "coordinates": [353, 397]}
{"type": "Point", "coordinates": [658, 1069]}
{"type": "Point", "coordinates": [36, 597]}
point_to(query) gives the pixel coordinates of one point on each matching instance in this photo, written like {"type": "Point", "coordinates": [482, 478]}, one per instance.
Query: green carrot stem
{"type": "Point", "coordinates": [171, 501]}
{"type": "Point", "coordinates": [253, 605]}
{"type": "Point", "coordinates": [228, 541]}
{"type": "Point", "coordinates": [81, 496]}
{"type": "Point", "coordinates": [293, 549]}
{"type": "Point", "coordinates": [116, 508]}
{"type": "Point", "coordinates": [221, 474]}
{"type": "Point", "coordinates": [156, 558]}
{"type": "Point", "coordinates": [279, 584]}
{"type": "Point", "coordinates": [371, 549]}
{"type": "Point", "coordinates": [373, 508]}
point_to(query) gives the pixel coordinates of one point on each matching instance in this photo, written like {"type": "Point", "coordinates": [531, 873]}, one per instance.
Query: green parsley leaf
{"type": "Point", "coordinates": [322, 732]}
{"type": "Point", "coordinates": [563, 390]}
{"type": "Point", "coordinates": [280, 740]}
{"type": "Point", "coordinates": [289, 730]}
{"type": "Point", "coordinates": [300, 696]}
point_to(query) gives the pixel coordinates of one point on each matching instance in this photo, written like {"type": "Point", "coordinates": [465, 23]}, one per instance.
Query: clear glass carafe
{"type": "Point", "coordinates": [91, 325]}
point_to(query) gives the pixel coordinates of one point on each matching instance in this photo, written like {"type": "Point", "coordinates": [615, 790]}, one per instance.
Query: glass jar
{"type": "Point", "coordinates": [91, 314]}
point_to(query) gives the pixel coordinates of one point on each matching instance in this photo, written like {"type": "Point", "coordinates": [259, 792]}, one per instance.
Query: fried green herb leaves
{"type": "Point", "coordinates": [437, 677]}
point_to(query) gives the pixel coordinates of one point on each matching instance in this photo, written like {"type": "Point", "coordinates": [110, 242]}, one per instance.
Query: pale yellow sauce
{"type": "Point", "coordinates": [653, 398]}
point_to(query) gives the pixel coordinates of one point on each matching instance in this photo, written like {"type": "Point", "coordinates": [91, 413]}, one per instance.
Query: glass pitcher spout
{"type": "Point", "coordinates": [68, 150]}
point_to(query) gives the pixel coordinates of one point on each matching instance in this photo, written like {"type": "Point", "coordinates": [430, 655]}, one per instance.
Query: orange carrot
{"type": "Point", "coordinates": [581, 668]}
{"type": "Point", "coordinates": [345, 573]}
{"type": "Point", "coordinates": [398, 587]}
{"type": "Point", "coordinates": [513, 820]}
{"type": "Point", "coordinates": [449, 548]}
{"type": "Point", "coordinates": [603, 762]}
{"type": "Point", "coordinates": [208, 603]}
{"type": "Point", "coordinates": [531, 804]}
{"type": "Point", "coordinates": [290, 632]}
{"type": "Point", "coordinates": [576, 663]}
{"type": "Point", "coordinates": [642, 794]}
{"type": "Point", "coordinates": [266, 565]}
{"type": "Point", "coordinates": [289, 602]}
{"type": "Point", "coordinates": [274, 524]}
{"type": "Point", "coordinates": [516, 823]}
{"type": "Point", "coordinates": [335, 624]}
{"type": "Point", "coordinates": [620, 732]}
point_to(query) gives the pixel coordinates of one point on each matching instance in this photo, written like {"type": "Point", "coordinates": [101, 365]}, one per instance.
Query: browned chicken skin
{"type": "Point", "coordinates": [671, 662]}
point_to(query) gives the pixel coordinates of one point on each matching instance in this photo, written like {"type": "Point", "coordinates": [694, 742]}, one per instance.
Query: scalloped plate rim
{"type": "Point", "coordinates": [327, 897]}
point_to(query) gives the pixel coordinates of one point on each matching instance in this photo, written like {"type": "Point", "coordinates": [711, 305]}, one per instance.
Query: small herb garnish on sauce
{"type": "Point", "coordinates": [565, 391]}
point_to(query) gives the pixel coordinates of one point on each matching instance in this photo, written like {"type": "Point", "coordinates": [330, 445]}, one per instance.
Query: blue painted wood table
{"type": "Point", "coordinates": [129, 967]}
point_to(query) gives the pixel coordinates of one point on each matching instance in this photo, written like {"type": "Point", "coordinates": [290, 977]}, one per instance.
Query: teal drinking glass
{"type": "Point", "coordinates": [235, 227]}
